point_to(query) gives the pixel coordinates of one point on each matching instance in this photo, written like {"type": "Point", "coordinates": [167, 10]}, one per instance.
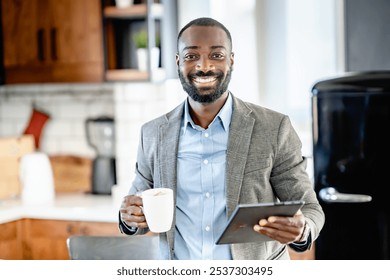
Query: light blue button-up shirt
{"type": "Point", "coordinates": [201, 187]}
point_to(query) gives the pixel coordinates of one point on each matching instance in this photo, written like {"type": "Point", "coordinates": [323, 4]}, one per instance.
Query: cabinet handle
{"type": "Point", "coordinates": [40, 41]}
{"type": "Point", "coordinates": [53, 45]}
{"type": "Point", "coordinates": [84, 231]}
{"type": "Point", "coordinates": [70, 229]}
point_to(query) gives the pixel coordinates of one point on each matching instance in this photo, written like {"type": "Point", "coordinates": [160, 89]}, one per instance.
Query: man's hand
{"type": "Point", "coordinates": [283, 229]}
{"type": "Point", "coordinates": [131, 212]}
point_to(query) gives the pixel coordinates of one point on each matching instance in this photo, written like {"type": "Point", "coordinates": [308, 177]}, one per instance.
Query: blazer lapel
{"type": "Point", "coordinates": [241, 128]}
{"type": "Point", "coordinates": [168, 145]}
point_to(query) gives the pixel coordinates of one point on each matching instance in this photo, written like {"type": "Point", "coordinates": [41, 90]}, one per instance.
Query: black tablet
{"type": "Point", "coordinates": [239, 228]}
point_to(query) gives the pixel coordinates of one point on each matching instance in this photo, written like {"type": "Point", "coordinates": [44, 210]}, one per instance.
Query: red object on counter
{"type": "Point", "coordinates": [37, 121]}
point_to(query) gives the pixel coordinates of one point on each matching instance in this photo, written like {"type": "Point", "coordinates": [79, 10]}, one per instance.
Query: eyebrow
{"type": "Point", "coordinates": [196, 47]}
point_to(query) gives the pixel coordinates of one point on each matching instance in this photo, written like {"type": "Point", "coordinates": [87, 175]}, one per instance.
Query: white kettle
{"type": "Point", "coordinates": [36, 176]}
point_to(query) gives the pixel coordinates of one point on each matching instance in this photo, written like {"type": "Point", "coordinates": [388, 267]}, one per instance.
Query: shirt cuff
{"type": "Point", "coordinates": [124, 228]}
{"type": "Point", "coordinates": [301, 246]}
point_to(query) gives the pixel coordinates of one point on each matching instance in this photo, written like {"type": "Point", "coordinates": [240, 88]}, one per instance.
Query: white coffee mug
{"type": "Point", "coordinates": [158, 208]}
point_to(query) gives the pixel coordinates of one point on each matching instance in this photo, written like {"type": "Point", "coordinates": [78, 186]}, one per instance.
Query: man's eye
{"type": "Point", "coordinates": [190, 57]}
{"type": "Point", "coordinates": [218, 56]}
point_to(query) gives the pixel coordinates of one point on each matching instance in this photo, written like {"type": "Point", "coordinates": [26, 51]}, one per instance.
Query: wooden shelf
{"type": "Point", "coordinates": [126, 75]}
{"type": "Point", "coordinates": [119, 25]}
{"type": "Point", "coordinates": [135, 75]}
{"type": "Point", "coordinates": [133, 12]}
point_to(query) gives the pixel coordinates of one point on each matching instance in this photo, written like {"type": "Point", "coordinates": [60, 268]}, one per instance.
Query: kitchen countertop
{"type": "Point", "coordinates": [75, 207]}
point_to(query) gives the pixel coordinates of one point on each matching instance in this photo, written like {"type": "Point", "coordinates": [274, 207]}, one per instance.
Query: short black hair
{"type": "Point", "coordinates": [205, 21]}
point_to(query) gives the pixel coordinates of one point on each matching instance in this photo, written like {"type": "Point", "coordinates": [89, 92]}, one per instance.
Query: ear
{"type": "Point", "coordinates": [231, 58]}
{"type": "Point", "coordinates": [177, 59]}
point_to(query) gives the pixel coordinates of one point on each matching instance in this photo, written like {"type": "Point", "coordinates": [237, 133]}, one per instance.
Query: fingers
{"type": "Point", "coordinates": [282, 229]}
{"type": "Point", "coordinates": [131, 212]}
{"type": "Point", "coordinates": [131, 200]}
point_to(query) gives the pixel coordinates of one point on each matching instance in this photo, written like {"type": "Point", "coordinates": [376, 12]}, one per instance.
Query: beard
{"type": "Point", "coordinates": [210, 94]}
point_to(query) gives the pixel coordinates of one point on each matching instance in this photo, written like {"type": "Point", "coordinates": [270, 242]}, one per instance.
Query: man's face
{"type": "Point", "coordinates": [204, 62]}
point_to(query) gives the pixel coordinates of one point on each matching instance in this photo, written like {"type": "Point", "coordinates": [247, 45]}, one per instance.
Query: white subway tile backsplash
{"type": "Point", "coordinates": [101, 108]}
{"type": "Point", "coordinates": [58, 128]}
{"type": "Point", "coordinates": [77, 147]}
{"type": "Point", "coordinates": [78, 129]}
{"type": "Point", "coordinates": [72, 110]}
{"type": "Point", "coordinates": [69, 105]}
{"type": "Point", "coordinates": [141, 92]}
{"type": "Point", "coordinates": [10, 129]}
{"type": "Point", "coordinates": [21, 89]}
{"type": "Point", "coordinates": [50, 146]}
{"type": "Point", "coordinates": [129, 111]}
{"type": "Point", "coordinates": [15, 110]}
{"type": "Point", "coordinates": [55, 88]}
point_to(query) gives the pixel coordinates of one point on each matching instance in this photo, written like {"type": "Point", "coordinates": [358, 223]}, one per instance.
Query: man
{"type": "Point", "coordinates": [216, 151]}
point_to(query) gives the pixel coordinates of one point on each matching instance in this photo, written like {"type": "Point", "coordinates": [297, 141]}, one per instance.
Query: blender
{"type": "Point", "coordinates": [100, 134]}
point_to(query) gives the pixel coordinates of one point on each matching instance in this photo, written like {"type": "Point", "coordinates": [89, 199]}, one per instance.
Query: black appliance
{"type": "Point", "coordinates": [101, 136]}
{"type": "Point", "coordinates": [351, 153]}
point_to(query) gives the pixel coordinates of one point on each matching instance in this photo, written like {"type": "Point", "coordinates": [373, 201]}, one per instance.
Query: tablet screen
{"type": "Point", "coordinates": [239, 228]}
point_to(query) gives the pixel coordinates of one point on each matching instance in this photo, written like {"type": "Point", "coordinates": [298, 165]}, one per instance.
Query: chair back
{"type": "Point", "coordinates": [113, 247]}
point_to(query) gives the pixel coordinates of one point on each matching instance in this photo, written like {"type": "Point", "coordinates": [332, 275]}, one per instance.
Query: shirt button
{"type": "Point", "coordinates": [206, 135]}
{"type": "Point", "coordinates": [207, 228]}
{"type": "Point", "coordinates": [205, 161]}
{"type": "Point", "coordinates": [207, 194]}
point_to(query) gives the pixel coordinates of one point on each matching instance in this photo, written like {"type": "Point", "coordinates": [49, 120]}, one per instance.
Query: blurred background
{"type": "Point", "coordinates": [70, 73]}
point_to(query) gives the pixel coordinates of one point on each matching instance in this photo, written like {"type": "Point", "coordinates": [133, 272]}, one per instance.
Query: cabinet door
{"type": "Point", "coordinates": [11, 241]}
{"type": "Point", "coordinates": [46, 239]}
{"type": "Point", "coordinates": [76, 42]}
{"type": "Point", "coordinates": [19, 33]}
{"type": "Point", "coordinates": [23, 32]}
{"type": "Point", "coordinates": [99, 229]}
{"type": "Point", "coordinates": [52, 41]}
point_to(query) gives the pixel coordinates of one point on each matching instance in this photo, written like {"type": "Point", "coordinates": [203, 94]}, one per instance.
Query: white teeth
{"type": "Point", "coordinates": [204, 79]}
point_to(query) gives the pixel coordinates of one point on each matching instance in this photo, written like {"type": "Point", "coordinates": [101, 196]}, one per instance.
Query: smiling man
{"type": "Point", "coordinates": [216, 151]}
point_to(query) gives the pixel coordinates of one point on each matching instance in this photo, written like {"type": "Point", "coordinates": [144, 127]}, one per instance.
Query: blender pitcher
{"type": "Point", "coordinates": [100, 134]}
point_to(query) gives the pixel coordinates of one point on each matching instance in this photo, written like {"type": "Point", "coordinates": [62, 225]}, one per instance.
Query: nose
{"type": "Point", "coordinates": [204, 64]}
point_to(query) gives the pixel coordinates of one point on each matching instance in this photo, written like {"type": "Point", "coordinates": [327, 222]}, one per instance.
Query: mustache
{"type": "Point", "coordinates": [207, 74]}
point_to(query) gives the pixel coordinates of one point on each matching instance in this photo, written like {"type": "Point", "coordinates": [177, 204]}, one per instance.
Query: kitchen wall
{"type": "Point", "coordinates": [258, 77]}
{"type": "Point", "coordinates": [135, 104]}
{"type": "Point", "coordinates": [69, 105]}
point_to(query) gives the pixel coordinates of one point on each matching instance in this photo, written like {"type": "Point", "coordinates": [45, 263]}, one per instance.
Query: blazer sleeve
{"type": "Point", "coordinates": [291, 181]}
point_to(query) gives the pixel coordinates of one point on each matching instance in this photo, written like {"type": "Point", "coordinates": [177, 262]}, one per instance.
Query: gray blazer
{"type": "Point", "coordinates": [264, 164]}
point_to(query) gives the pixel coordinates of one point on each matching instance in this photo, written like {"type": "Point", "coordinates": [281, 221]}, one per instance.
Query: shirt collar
{"type": "Point", "coordinates": [225, 114]}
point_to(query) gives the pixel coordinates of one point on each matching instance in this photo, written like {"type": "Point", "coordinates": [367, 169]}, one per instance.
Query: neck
{"type": "Point", "coordinates": [204, 114]}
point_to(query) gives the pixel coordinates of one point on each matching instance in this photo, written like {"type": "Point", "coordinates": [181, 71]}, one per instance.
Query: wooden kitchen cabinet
{"type": "Point", "coordinates": [52, 41]}
{"type": "Point", "coordinates": [11, 245]}
{"type": "Point", "coordinates": [46, 239]}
